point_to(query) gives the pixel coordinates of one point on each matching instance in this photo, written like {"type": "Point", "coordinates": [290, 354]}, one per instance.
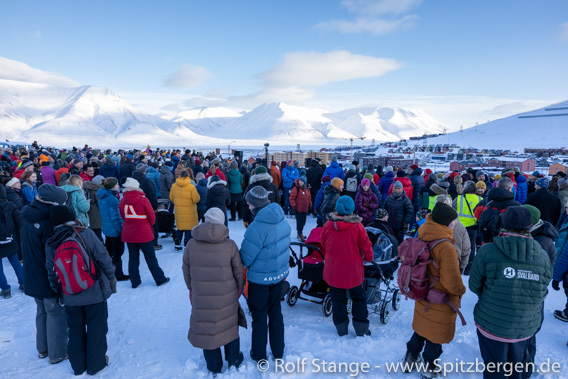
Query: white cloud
{"type": "Point", "coordinates": [563, 34]}
{"type": "Point", "coordinates": [370, 16]}
{"type": "Point", "coordinates": [379, 7]}
{"type": "Point", "coordinates": [308, 69]}
{"type": "Point", "coordinates": [187, 76]}
{"type": "Point", "coordinates": [14, 70]}
{"type": "Point", "coordinates": [36, 35]}
{"type": "Point", "coordinates": [371, 25]}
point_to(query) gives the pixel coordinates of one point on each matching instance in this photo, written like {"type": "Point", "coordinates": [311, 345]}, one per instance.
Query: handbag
{"type": "Point", "coordinates": [438, 297]}
{"type": "Point", "coordinates": [242, 318]}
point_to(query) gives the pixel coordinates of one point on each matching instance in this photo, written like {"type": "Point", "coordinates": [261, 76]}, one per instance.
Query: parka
{"type": "Point", "coordinates": [218, 196]}
{"type": "Point", "coordinates": [185, 198]}
{"type": "Point", "coordinates": [400, 209]}
{"type": "Point", "coordinates": [110, 215]}
{"type": "Point", "coordinates": [90, 190]}
{"type": "Point", "coordinates": [166, 180]}
{"type": "Point", "coordinates": [78, 202]}
{"type": "Point", "coordinates": [138, 215]}
{"type": "Point", "coordinates": [366, 212]}
{"type": "Point", "coordinates": [300, 198]}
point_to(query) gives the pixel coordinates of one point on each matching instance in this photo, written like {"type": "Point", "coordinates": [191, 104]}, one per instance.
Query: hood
{"type": "Point", "coordinates": [211, 184]}
{"type": "Point", "coordinates": [59, 235]}
{"type": "Point", "coordinates": [69, 188]}
{"type": "Point", "coordinates": [152, 169]}
{"type": "Point", "coordinates": [314, 163]}
{"type": "Point", "coordinates": [330, 189]}
{"type": "Point", "coordinates": [334, 164]}
{"type": "Point", "coordinates": [519, 249]}
{"type": "Point", "coordinates": [132, 196]}
{"type": "Point", "coordinates": [547, 230]}
{"type": "Point", "coordinates": [390, 174]}
{"type": "Point", "coordinates": [260, 177]}
{"type": "Point", "coordinates": [138, 176]}
{"type": "Point", "coordinates": [165, 169]}
{"type": "Point", "coordinates": [210, 233]}
{"type": "Point", "coordinates": [90, 186]}
{"type": "Point", "coordinates": [499, 194]}
{"type": "Point", "coordinates": [202, 182]}
{"type": "Point", "coordinates": [343, 222]}
{"type": "Point", "coordinates": [297, 183]}
{"type": "Point", "coordinates": [521, 179]}
{"type": "Point", "coordinates": [36, 211]}
{"type": "Point", "coordinates": [103, 193]}
{"type": "Point", "coordinates": [182, 182]}
{"type": "Point", "coordinates": [437, 190]}
{"type": "Point", "coordinates": [430, 231]}
{"type": "Point", "coordinates": [417, 172]}
{"type": "Point", "coordinates": [271, 214]}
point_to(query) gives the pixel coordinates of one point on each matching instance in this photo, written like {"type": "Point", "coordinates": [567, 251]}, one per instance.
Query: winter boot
{"type": "Point", "coordinates": [410, 361]}
{"type": "Point", "coordinates": [561, 315]}
{"type": "Point", "coordinates": [430, 371]}
{"type": "Point", "coordinates": [21, 288]}
{"type": "Point", "coordinates": [6, 294]}
{"type": "Point", "coordinates": [238, 362]}
{"type": "Point", "coordinates": [58, 360]}
{"type": "Point", "coordinates": [42, 354]}
{"type": "Point", "coordinates": [119, 274]}
{"type": "Point", "coordinates": [342, 329]}
{"type": "Point", "coordinates": [361, 328]}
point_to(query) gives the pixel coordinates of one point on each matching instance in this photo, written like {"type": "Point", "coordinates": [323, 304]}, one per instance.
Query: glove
{"type": "Point", "coordinates": [190, 300]}
{"type": "Point", "coordinates": [246, 224]}
{"type": "Point", "coordinates": [113, 286]}
{"type": "Point", "coordinates": [556, 285]}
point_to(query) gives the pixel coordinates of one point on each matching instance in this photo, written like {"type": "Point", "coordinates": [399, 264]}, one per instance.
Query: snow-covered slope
{"type": "Point", "coordinates": [544, 127]}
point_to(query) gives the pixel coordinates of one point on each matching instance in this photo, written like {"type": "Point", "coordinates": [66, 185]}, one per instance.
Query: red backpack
{"type": "Point", "coordinates": [74, 267]}
{"type": "Point", "coordinates": [415, 256]}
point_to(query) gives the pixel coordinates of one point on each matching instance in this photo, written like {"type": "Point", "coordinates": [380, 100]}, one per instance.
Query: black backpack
{"type": "Point", "coordinates": [490, 222]}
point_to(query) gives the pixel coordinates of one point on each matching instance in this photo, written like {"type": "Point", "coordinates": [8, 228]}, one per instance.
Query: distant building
{"type": "Point", "coordinates": [525, 165]}
{"type": "Point", "coordinates": [556, 168]}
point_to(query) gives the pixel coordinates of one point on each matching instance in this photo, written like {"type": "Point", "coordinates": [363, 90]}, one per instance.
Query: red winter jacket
{"type": "Point", "coordinates": [406, 185]}
{"type": "Point", "coordinates": [301, 199]}
{"type": "Point", "coordinates": [138, 215]}
{"type": "Point", "coordinates": [345, 242]}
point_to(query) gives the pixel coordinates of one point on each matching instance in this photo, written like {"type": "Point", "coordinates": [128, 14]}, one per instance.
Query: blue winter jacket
{"type": "Point", "coordinates": [385, 183]}
{"type": "Point", "coordinates": [110, 215]}
{"type": "Point", "coordinates": [154, 176]}
{"type": "Point", "coordinates": [562, 228]}
{"type": "Point", "coordinates": [522, 189]}
{"type": "Point", "coordinates": [319, 199]}
{"type": "Point", "coordinates": [334, 171]}
{"type": "Point", "coordinates": [109, 170]}
{"type": "Point", "coordinates": [202, 191]}
{"type": "Point", "coordinates": [29, 192]}
{"type": "Point", "coordinates": [264, 250]}
{"type": "Point", "coordinates": [561, 265]}
{"type": "Point", "coordinates": [289, 176]}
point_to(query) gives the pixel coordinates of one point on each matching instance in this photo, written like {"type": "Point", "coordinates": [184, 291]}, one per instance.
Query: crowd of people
{"type": "Point", "coordinates": [508, 232]}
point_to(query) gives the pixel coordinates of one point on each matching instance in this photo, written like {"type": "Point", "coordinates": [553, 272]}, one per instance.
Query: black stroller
{"type": "Point", "coordinates": [309, 258]}
{"type": "Point", "coordinates": [380, 294]}
{"type": "Point", "coordinates": [165, 219]}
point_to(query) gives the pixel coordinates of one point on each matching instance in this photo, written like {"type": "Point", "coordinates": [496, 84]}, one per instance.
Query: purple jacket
{"type": "Point", "coordinates": [48, 175]}
{"type": "Point", "coordinates": [366, 213]}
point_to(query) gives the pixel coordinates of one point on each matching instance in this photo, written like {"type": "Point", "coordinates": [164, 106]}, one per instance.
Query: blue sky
{"type": "Point", "coordinates": [461, 61]}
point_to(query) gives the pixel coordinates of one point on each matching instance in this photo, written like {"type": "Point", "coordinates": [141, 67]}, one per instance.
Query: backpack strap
{"type": "Point", "coordinates": [84, 246]}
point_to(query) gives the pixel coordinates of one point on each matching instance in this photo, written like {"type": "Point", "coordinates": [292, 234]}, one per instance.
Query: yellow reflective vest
{"type": "Point", "coordinates": [465, 208]}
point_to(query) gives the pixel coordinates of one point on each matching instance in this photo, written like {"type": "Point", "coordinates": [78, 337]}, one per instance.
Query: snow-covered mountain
{"type": "Point", "coordinates": [544, 127]}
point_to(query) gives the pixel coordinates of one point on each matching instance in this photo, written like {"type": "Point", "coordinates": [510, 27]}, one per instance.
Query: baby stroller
{"type": "Point", "coordinates": [165, 219]}
{"type": "Point", "coordinates": [309, 258]}
{"type": "Point", "coordinates": [380, 294]}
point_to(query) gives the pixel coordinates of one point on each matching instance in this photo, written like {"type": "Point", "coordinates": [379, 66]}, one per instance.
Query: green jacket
{"type": "Point", "coordinates": [235, 181]}
{"type": "Point", "coordinates": [510, 276]}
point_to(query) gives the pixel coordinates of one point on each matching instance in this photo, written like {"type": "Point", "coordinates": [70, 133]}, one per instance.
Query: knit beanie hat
{"type": "Point", "coordinates": [365, 182]}
{"type": "Point", "coordinates": [381, 213]}
{"type": "Point", "coordinates": [542, 182]}
{"type": "Point", "coordinates": [141, 168]}
{"type": "Point", "coordinates": [77, 160]}
{"type": "Point", "coordinates": [110, 182]}
{"type": "Point", "coordinates": [199, 176]}
{"type": "Point", "coordinates": [108, 159]}
{"type": "Point", "coordinates": [400, 174]}
{"type": "Point", "coordinates": [234, 165]}
{"type": "Point", "coordinates": [260, 170]}
{"type": "Point", "coordinates": [535, 212]}
{"type": "Point", "coordinates": [433, 177]}
{"type": "Point", "coordinates": [50, 194]}
{"type": "Point", "coordinates": [26, 164]}
{"type": "Point", "coordinates": [536, 173]}
{"type": "Point", "coordinates": [11, 182]}
{"type": "Point", "coordinates": [257, 197]}
{"type": "Point", "coordinates": [98, 179]}
{"type": "Point", "coordinates": [131, 183]}
{"type": "Point", "coordinates": [334, 158]}
{"type": "Point", "coordinates": [326, 179]}
{"type": "Point", "coordinates": [336, 183]}
{"type": "Point", "coordinates": [397, 185]}
{"type": "Point", "coordinates": [444, 184]}
{"type": "Point", "coordinates": [443, 214]}
{"type": "Point", "coordinates": [60, 214]}
{"type": "Point", "coordinates": [498, 176]}
{"type": "Point", "coordinates": [481, 184]}
{"type": "Point", "coordinates": [215, 216]}
{"type": "Point", "coordinates": [389, 168]}
{"type": "Point", "coordinates": [345, 205]}
{"type": "Point", "coordinates": [368, 176]}
{"type": "Point", "coordinates": [130, 156]}
{"type": "Point", "coordinates": [427, 172]}
{"type": "Point", "coordinates": [562, 182]}
{"type": "Point", "coordinates": [414, 167]}
{"type": "Point", "coordinates": [517, 218]}
{"type": "Point", "coordinates": [303, 179]}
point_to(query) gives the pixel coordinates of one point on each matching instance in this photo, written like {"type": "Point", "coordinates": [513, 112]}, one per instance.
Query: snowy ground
{"type": "Point", "coordinates": [148, 328]}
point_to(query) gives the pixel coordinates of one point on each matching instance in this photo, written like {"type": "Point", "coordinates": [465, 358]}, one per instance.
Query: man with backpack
{"type": "Point", "coordinates": [437, 289]}
{"type": "Point", "coordinates": [81, 272]}
{"type": "Point", "coordinates": [352, 181]}
{"type": "Point", "coordinates": [488, 211]}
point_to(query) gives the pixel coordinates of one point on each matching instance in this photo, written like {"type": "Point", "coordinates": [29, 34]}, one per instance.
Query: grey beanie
{"type": "Point", "coordinates": [98, 179]}
{"type": "Point", "coordinates": [141, 168]}
{"type": "Point", "coordinates": [334, 158]}
{"type": "Point", "coordinates": [215, 216]}
{"type": "Point", "coordinates": [50, 194]}
{"type": "Point", "coordinates": [389, 168]}
{"type": "Point", "coordinates": [257, 197]}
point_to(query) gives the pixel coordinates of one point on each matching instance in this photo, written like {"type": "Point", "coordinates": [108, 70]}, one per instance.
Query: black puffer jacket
{"type": "Point", "coordinates": [314, 175]}
{"type": "Point", "coordinates": [545, 235]}
{"type": "Point", "coordinates": [36, 230]}
{"type": "Point", "coordinates": [10, 222]}
{"type": "Point", "coordinates": [265, 181]}
{"type": "Point", "coordinates": [218, 195]}
{"type": "Point", "coordinates": [547, 203]}
{"type": "Point", "coordinates": [417, 184]}
{"type": "Point", "coordinates": [15, 197]}
{"type": "Point", "coordinates": [331, 194]}
{"type": "Point", "coordinates": [400, 209]}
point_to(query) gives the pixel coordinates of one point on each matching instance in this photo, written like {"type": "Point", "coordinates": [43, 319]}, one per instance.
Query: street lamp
{"type": "Point", "coordinates": [229, 148]}
{"type": "Point", "coordinates": [266, 153]}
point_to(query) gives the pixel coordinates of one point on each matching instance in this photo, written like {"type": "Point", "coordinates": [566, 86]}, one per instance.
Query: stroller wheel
{"type": "Point", "coordinates": [327, 306]}
{"type": "Point", "coordinates": [349, 306]}
{"type": "Point", "coordinates": [396, 299]}
{"type": "Point", "coordinates": [385, 311]}
{"type": "Point", "coordinates": [292, 296]}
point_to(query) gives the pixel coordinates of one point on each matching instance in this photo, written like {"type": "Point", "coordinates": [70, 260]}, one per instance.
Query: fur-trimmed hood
{"type": "Point", "coordinates": [210, 184]}
{"type": "Point", "coordinates": [259, 177]}
{"type": "Point", "coordinates": [352, 218]}
{"type": "Point", "coordinates": [437, 190]}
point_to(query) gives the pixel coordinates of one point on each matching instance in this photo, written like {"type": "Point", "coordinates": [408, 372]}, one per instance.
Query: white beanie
{"type": "Point", "coordinates": [215, 216]}
{"type": "Point", "coordinates": [11, 182]}
{"type": "Point", "coordinates": [131, 183]}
